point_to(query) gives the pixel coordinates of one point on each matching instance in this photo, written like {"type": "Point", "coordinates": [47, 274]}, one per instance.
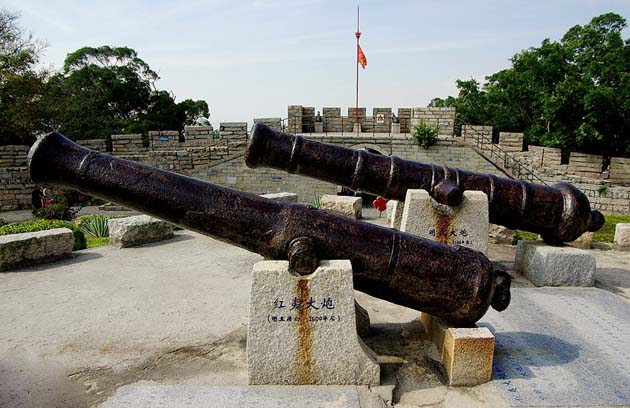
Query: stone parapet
{"type": "Point", "coordinates": [128, 144]}
{"type": "Point", "coordinates": [233, 130]}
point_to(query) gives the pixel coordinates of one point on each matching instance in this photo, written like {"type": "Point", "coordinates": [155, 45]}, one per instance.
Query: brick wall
{"type": "Point", "coordinates": [128, 144]}
{"type": "Point", "coordinates": [619, 170]}
{"type": "Point", "coordinates": [15, 188]}
{"type": "Point", "coordinates": [99, 145]}
{"type": "Point", "coordinates": [274, 123]}
{"type": "Point", "coordinates": [13, 155]}
{"type": "Point", "coordinates": [233, 130]}
{"type": "Point", "coordinates": [441, 118]}
{"type": "Point", "coordinates": [164, 139]}
{"type": "Point", "coordinates": [511, 142]}
{"type": "Point", "coordinates": [585, 165]}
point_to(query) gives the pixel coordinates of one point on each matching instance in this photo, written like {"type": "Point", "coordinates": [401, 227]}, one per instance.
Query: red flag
{"type": "Point", "coordinates": [361, 57]}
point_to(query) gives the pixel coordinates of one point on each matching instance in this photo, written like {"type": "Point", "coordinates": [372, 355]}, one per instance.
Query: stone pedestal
{"type": "Point", "coordinates": [546, 265]}
{"type": "Point", "coordinates": [465, 224]}
{"type": "Point", "coordinates": [319, 127]}
{"type": "Point", "coordinates": [395, 128]}
{"type": "Point", "coordinates": [302, 329]}
{"type": "Point", "coordinates": [466, 353]}
{"type": "Point", "coordinates": [622, 237]}
{"type": "Point", "coordinates": [344, 205]}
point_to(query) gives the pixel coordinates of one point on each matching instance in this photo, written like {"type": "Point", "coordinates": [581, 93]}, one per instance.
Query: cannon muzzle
{"type": "Point", "coordinates": [560, 213]}
{"type": "Point", "coordinates": [454, 283]}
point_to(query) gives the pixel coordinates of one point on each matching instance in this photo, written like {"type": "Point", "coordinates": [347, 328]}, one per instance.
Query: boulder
{"type": "Point", "coordinates": [284, 197]}
{"type": "Point", "coordinates": [344, 205]}
{"type": "Point", "coordinates": [34, 247]}
{"type": "Point", "coordinates": [501, 235]}
{"type": "Point", "coordinates": [138, 230]}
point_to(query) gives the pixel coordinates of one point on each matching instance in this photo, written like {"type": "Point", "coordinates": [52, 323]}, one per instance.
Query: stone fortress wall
{"type": "Point", "coordinates": [198, 154]}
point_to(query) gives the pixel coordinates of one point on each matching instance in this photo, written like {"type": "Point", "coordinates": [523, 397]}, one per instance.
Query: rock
{"type": "Point", "coordinates": [302, 329]}
{"type": "Point", "coordinates": [622, 237]}
{"type": "Point", "coordinates": [137, 230]}
{"type": "Point", "coordinates": [34, 247]}
{"type": "Point", "coordinates": [465, 224]}
{"type": "Point", "coordinates": [344, 205]}
{"type": "Point", "coordinates": [585, 241]}
{"type": "Point", "coordinates": [284, 197]}
{"type": "Point", "coordinates": [501, 235]}
{"type": "Point", "coordinates": [546, 265]}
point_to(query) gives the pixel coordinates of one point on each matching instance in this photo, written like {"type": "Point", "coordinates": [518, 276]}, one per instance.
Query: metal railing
{"type": "Point", "coordinates": [485, 144]}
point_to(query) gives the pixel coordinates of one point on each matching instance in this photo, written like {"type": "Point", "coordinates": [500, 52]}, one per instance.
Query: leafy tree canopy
{"type": "Point", "coordinates": [21, 84]}
{"type": "Point", "coordinates": [100, 91]}
{"type": "Point", "coordinates": [573, 93]}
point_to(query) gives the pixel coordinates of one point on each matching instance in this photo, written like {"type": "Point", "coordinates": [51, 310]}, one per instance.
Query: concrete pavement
{"type": "Point", "coordinates": [174, 313]}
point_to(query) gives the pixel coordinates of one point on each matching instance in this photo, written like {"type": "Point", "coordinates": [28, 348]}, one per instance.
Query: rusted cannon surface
{"type": "Point", "coordinates": [560, 213]}
{"type": "Point", "coordinates": [454, 283]}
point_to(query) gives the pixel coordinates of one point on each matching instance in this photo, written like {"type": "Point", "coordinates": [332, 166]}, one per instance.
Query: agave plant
{"type": "Point", "coordinates": [317, 201]}
{"type": "Point", "coordinates": [94, 225]}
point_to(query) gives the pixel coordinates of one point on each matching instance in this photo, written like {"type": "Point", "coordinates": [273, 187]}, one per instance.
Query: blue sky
{"type": "Point", "coordinates": [253, 58]}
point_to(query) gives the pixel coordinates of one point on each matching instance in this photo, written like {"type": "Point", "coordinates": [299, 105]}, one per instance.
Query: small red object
{"type": "Point", "coordinates": [380, 203]}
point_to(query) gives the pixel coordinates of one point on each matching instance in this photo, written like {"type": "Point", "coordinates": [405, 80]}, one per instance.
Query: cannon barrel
{"type": "Point", "coordinates": [559, 213]}
{"type": "Point", "coordinates": [454, 283]}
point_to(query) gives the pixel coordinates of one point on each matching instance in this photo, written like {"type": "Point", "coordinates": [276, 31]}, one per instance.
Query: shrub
{"type": "Point", "coordinates": [2, 222]}
{"type": "Point", "coordinates": [42, 225]}
{"type": "Point", "coordinates": [424, 135]}
{"type": "Point", "coordinates": [317, 201]}
{"type": "Point", "coordinates": [93, 225]}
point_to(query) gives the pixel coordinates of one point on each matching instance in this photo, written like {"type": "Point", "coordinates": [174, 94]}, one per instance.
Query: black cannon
{"type": "Point", "coordinates": [560, 213]}
{"type": "Point", "coordinates": [454, 283]}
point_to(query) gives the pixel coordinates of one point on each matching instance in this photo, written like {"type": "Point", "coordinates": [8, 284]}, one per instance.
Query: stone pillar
{"type": "Point", "coordinates": [332, 119]}
{"type": "Point", "coordinates": [308, 119]}
{"type": "Point", "coordinates": [302, 329]}
{"type": "Point", "coordinates": [382, 119]}
{"type": "Point", "coordinates": [295, 119]}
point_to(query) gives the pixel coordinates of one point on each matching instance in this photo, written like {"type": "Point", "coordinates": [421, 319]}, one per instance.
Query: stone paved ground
{"type": "Point", "coordinates": [174, 313]}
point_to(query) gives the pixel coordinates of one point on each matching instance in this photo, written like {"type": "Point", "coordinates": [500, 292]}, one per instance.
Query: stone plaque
{"type": "Point", "coordinates": [302, 329]}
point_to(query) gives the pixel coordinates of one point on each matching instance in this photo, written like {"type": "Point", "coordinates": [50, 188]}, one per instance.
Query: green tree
{"type": "Point", "coordinates": [194, 110]}
{"type": "Point", "coordinates": [21, 84]}
{"type": "Point", "coordinates": [101, 91]}
{"type": "Point", "coordinates": [572, 94]}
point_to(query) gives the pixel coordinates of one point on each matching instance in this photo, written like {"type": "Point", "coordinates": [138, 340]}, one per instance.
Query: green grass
{"type": "Point", "coordinates": [607, 233]}
{"type": "Point", "coordinates": [96, 242]}
{"type": "Point", "coordinates": [526, 236]}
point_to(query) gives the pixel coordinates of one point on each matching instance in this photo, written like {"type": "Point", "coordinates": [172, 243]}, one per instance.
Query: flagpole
{"type": "Point", "coordinates": [357, 34]}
